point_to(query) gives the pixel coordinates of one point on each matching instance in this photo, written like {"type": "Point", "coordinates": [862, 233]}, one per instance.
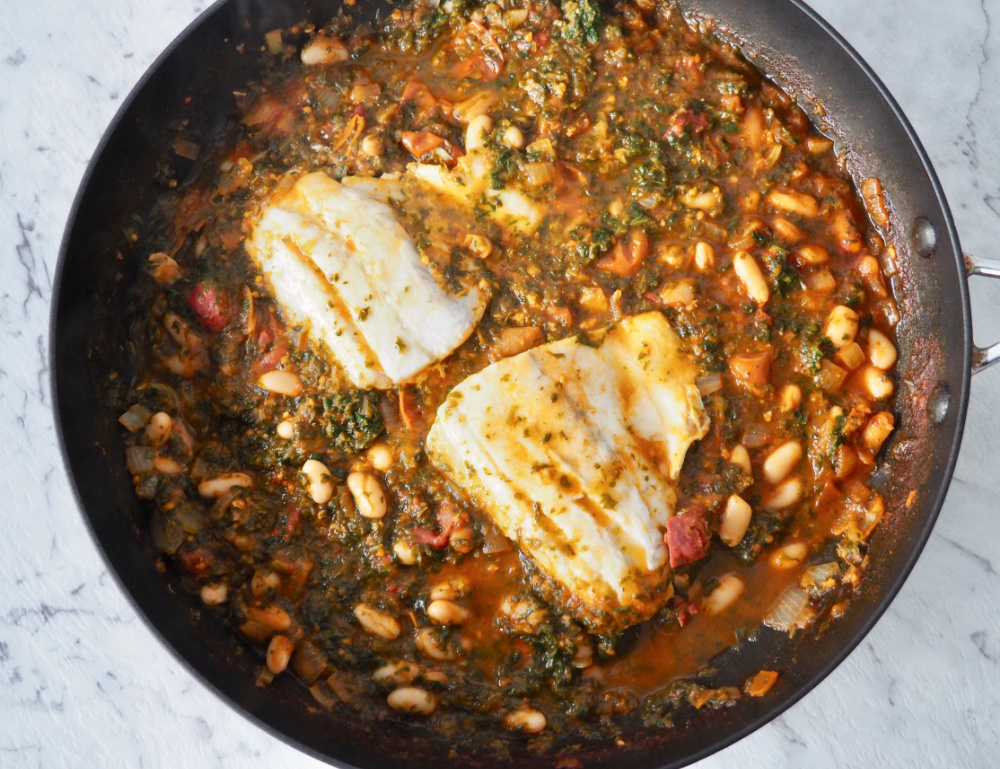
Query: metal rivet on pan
{"type": "Point", "coordinates": [938, 403]}
{"type": "Point", "coordinates": [924, 238]}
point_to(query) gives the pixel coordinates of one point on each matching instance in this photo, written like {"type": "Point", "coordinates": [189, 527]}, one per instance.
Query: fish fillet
{"type": "Point", "coordinates": [338, 260]}
{"type": "Point", "coordinates": [573, 449]}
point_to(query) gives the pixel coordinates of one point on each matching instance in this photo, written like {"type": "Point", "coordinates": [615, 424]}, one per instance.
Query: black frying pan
{"type": "Point", "coordinates": [194, 81]}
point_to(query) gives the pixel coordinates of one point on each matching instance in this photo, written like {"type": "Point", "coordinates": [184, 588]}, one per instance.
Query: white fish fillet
{"type": "Point", "coordinates": [337, 258]}
{"type": "Point", "coordinates": [574, 452]}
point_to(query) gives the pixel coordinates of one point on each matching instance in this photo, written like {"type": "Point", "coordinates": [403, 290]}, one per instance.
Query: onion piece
{"type": "Point", "coordinates": [756, 435]}
{"type": "Point", "coordinates": [135, 418]}
{"type": "Point", "coordinates": [539, 173]}
{"type": "Point", "coordinates": [709, 383]}
{"type": "Point", "coordinates": [139, 459]}
{"type": "Point", "coordinates": [791, 611]}
{"type": "Point", "coordinates": [493, 540]}
{"type": "Point", "coordinates": [816, 579]}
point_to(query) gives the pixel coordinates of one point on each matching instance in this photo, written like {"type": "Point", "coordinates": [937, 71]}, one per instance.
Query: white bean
{"type": "Point", "coordinates": [881, 350]}
{"type": "Point", "coordinates": [794, 203]}
{"type": "Point", "coordinates": [477, 131]}
{"type": "Point", "coordinates": [397, 673]}
{"type": "Point", "coordinates": [377, 622]}
{"type": "Point", "coordinates": [368, 495]}
{"type": "Point", "coordinates": [318, 480]}
{"type": "Point", "coordinates": [444, 612]}
{"type": "Point", "coordinates": [726, 593]}
{"type": "Point", "coordinates": [735, 520]}
{"type": "Point", "coordinates": [281, 382]}
{"type": "Point", "coordinates": [214, 593]}
{"type": "Point", "coordinates": [790, 555]}
{"type": "Point", "coordinates": [525, 719]}
{"type": "Point", "coordinates": [748, 271]}
{"type": "Point", "coordinates": [413, 700]}
{"type": "Point", "coordinates": [877, 382]}
{"type": "Point", "coordinates": [740, 457]}
{"type": "Point", "coordinates": [405, 552]}
{"type": "Point", "coordinates": [285, 429]}
{"type": "Point", "coordinates": [513, 137]}
{"type": "Point", "coordinates": [785, 495]}
{"type": "Point", "coordinates": [279, 652]}
{"type": "Point", "coordinates": [324, 50]}
{"type": "Point", "coordinates": [782, 461]}
{"type": "Point", "coordinates": [220, 484]}
{"type": "Point", "coordinates": [790, 397]}
{"type": "Point", "coordinates": [158, 429]}
{"type": "Point", "coordinates": [430, 646]}
{"type": "Point", "coordinates": [450, 589]}
{"type": "Point", "coordinates": [381, 456]}
{"type": "Point", "coordinates": [704, 256]}
{"type": "Point", "coordinates": [841, 326]}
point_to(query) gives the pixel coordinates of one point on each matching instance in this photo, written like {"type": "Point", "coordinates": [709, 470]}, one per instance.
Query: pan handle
{"type": "Point", "coordinates": [983, 357]}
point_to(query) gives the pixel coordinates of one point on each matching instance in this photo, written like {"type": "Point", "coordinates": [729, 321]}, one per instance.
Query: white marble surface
{"type": "Point", "coordinates": [84, 683]}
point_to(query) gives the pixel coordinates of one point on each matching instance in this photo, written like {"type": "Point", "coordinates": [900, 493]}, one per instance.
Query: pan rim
{"type": "Point", "coordinates": [876, 612]}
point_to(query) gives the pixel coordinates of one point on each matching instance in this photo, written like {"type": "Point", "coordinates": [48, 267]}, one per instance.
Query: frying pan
{"type": "Point", "coordinates": [194, 80]}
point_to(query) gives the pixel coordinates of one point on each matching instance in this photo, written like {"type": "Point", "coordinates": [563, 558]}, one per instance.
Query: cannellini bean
{"type": "Point", "coordinates": [785, 495]}
{"type": "Point", "coordinates": [450, 589]}
{"type": "Point", "coordinates": [220, 484]}
{"type": "Point", "coordinates": [524, 615]}
{"type": "Point", "coordinates": [179, 330]}
{"type": "Point", "coordinates": [318, 480]}
{"type": "Point", "coordinates": [368, 495]}
{"type": "Point", "coordinates": [477, 131]}
{"type": "Point", "coordinates": [789, 556]}
{"type": "Point", "coordinates": [214, 593]}
{"type": "Point", "coordinates": [879, 427]}
{"type": "Point", "coordinates": [429, 645]}
{"type": "Point", "coordinates": [726, 593]}
{"type": "Point", "coordinates": [158, 429]}
{"type": "Point", "coordinates": [413, 700]}
{"type": "Point", "coordinates": [285, 430]}
{"type": "Point", "coordinates": [794, 203]}
{"type": "Point", "coordinates": [811, 253]}
{"type": "Point", "coordinates": [741, 457]}
{"type": "Point", "coordinates": [876, 382]}
{"type": "Point", "coordinates": [279, 652]}
{"type": "Point", "coordinates": [397, 673]}
{"type": "Point", "coordinates": [788, 231]}
{"type": "Point", "coordinates": [790, 397]}
{"type": "Point", "coordinates": [735, 520]}
{"type": "Point", "coordinates": [443, 612]}
{"type": "Point", "coordinates": [525, 719]}
{"type": "Point", "coordinates": [463, 539]}
{"type": "Point", "coordinates": [841, 326]}
{"type": "Point", "coordinates": [381, 456]}
{"type": "Point", "coordinates": [377, 622]}
{"type": "Point", "coordinates": [281, 382]}
{"type": "Point", "coordinates": [271, 617]}
{"type": "Point", "coordinates": [881, 350]}
{"type": "Point", "coordinates": [167, 465]}
{"type": "Point", "coordinates": [513, 137]}
{"type": "Point", "coordinates": [704, 201]}
{"type": "Point", "coordinates": [324, 50]}
{"type": "Point", "coordinates": [372, 146]}
{"type": "Point", "coordinates": [704, 256]}
{"type": "Point", "coordinates": [782, 461]}
{"type": "Point", "coordinates": [405, 552]}
{"type": "Point", "coordinates": [748, 271]}
{"type": "Point", "coordinates": [437, 676]}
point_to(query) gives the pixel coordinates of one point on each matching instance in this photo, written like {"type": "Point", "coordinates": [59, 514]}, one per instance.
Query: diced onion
{"type": "Point", "coordinates": [493, 540]}
{"type": "Point", "coordinates": [756, 435]}
{"type": "Point", "coordinates": [814, 577]}
{"type": "Point", "coordinates": [539, 173]}
{"type": "Point", "coordinates": [135, 418]}
{"type": "Point", "coordinates": [791, 611]}
{"type": "Point", "coordinates": [709, 383]}
{"type": "Point", "coordinates": [139, 459]}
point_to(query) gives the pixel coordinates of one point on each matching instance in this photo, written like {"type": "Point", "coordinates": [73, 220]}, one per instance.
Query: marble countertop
{"type": "Point", "coordinates": [84, 683]}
